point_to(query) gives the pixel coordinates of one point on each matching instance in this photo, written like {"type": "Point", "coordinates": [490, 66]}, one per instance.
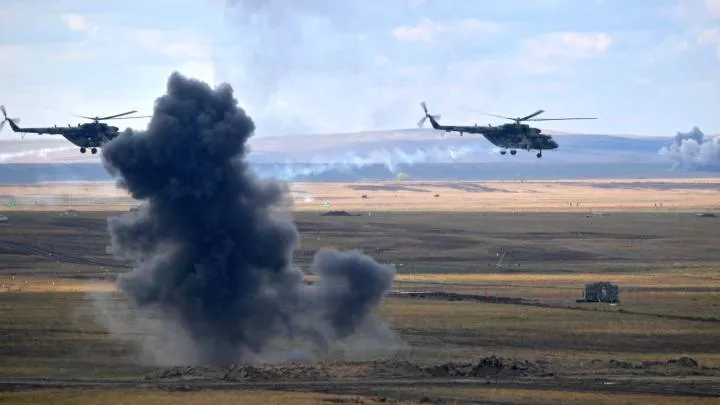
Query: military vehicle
{"type": "Point", "coordinates": [89, 135]}
{"type": "Point", "coordinates": [507, 136]}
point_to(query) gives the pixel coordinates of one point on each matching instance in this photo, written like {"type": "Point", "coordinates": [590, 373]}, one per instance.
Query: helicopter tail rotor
{"type": "Point", "coordinates": [13, 121]}
{"type": "Point", "coordinates": [5, 118]}
{"type": "Point", "coordinates": [427, 115]}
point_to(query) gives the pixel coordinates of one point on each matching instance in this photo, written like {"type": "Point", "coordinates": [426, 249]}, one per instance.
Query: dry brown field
{"type": "Point", "coordinates": [424, 196]}
{"type": "Point", "coordinates": [453, 301]}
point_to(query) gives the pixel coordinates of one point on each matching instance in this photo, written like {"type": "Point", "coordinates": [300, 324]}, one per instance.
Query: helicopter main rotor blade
{"type": "Point", "coordinates": [116, 115]}
{"type": "Point", "coordinates": [492, 115]}
{"type": "Point", "coordinates": [129, 118]}
{"type": "Point", "coordinates": [536, 113]}
{"type": "Point", "coordinates": [562, 119]}
{"type": "Point", "coordinates": [105, 118]}
{"type": "Point", "coordinates": [4, 113]}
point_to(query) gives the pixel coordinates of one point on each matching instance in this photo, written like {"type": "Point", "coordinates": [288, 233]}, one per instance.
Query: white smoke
{"type": "Point", "coordinates": [693, 151]}
{"type": "Point", "coordinates": [282, 44]}
{"type": "Point", "coordinates": [391, 159]}
{"type": "Point", "coordinates": [42, 153]}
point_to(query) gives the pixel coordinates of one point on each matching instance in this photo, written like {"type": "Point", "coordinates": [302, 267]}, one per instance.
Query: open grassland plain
{"type": "Point", "coordinates": [487, 196]}
{"type": "Point", "coordinates": [485, 303]}
{"type": "Point", "coordinates": [164, 397]}
{"type": "Point", "coordinates": [513, 196]}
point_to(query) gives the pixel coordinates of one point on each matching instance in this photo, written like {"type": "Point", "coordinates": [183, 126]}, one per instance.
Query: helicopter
{"type": "Point", "coordinates": [89, 135]}
{"type": "Point", "coordinates": [507, 136]}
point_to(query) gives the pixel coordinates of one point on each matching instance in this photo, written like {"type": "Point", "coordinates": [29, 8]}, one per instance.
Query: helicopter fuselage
{"type": "Point", "coordinates": [83, 135]}
{"type": "Point", "coordinates": [507, 136]}
{"type": "Point", "coordinates": [90, 135]}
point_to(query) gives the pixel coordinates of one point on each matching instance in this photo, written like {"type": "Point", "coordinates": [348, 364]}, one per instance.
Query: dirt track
{"type": "Point", "coordinates": [401, 379]}
{"type": "Point", "coordinates": [449, 296]}
{"type": "Point", "coordinates": [36, 250]}
{"type": "Point", "coordinates": [691, 387]}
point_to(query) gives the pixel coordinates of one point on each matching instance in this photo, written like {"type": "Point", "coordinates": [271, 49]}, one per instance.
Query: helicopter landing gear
{"type": "Point", "coordinates": [502, 152]}
{"type": "Point", "coordinates": [539, 155]}
{"type": "Point", "coordinates": [82, 150]}
{"type": "Point", "coordinates": [513, 152]}
{"type": "Point", "coordinates": [93, 150]}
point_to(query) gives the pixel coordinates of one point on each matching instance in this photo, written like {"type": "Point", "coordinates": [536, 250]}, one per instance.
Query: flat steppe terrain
{"type": "Point", "coordinates": [485, 277]}
{"type": "Point", "coordinates": [468, 196]}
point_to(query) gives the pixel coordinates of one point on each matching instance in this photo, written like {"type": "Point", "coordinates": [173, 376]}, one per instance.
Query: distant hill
{"type": "Point", "coordinates": [380, 155]}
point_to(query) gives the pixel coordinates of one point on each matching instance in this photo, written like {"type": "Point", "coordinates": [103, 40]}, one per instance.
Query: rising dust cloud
{"type": "Point", "coordinates": [212, 244]}
{"type": "Point", "coordinates": [694, 151]}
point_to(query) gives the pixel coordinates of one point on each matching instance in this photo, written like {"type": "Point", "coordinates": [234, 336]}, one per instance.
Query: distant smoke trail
{"type": "Point", "coordinates": [4, 157]}
{"type": "Point", "coordinates": [274, 34]}
{"type": "Point", "coordinates": [212, 244]}
{"type": "Point", "coordinates": [693, 151]}
{"type": "Point", "coordinates": [279, 43]}
{"type": "Point", "coordinates": [351, 161]}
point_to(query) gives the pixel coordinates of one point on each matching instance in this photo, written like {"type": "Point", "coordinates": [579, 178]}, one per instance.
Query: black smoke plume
{"type": "Point", "coordinates": [213, 244]}
{"type": "Point", "coordinates": [694, 151]}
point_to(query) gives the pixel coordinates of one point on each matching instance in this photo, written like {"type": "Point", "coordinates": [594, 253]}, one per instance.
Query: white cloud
{"type": "Point", "coordinates": [13, 56]}
{"type": "Point", "coordinates": [200, 70]}
{"type": "Point", "coordinates": [548, 53]}
{"type": "Point", "coordinates": [180, 43]}
{"type": "Point", "coordinates": [430, 31]}
{"type": "Point", "coordinates": [69, 55]}
{"type": "Point", "coordinates": [712, 37]}
{"type": "Point", "coordinates": [575, 45]}
{"type": "Point", "coordinates": [472, 70]}
{"type": "Point", "coordinates": [75, 22]}
{"type": "Point", "coordinates": [189, 49]}
{"type": "Point", "coordinates": [416, 3]}
{"type": "Point", "coordinates": [712, 7]}
{"type": "Point", "coordinates": [175, 43]}
{"type": "Point", "coordinates": [78, 23]}
{"type": "Point", "coordinates": [693, 11]}
{"type": "Point", "coordinates": [699, 18]}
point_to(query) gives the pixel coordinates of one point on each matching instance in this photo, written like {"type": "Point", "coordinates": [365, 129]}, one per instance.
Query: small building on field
{"type": "Point", "coordinates": [601, 291]}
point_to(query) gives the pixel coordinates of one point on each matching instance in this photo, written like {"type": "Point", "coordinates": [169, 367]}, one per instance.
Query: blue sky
{"type": "Point", "coordinates": [308, 66]}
